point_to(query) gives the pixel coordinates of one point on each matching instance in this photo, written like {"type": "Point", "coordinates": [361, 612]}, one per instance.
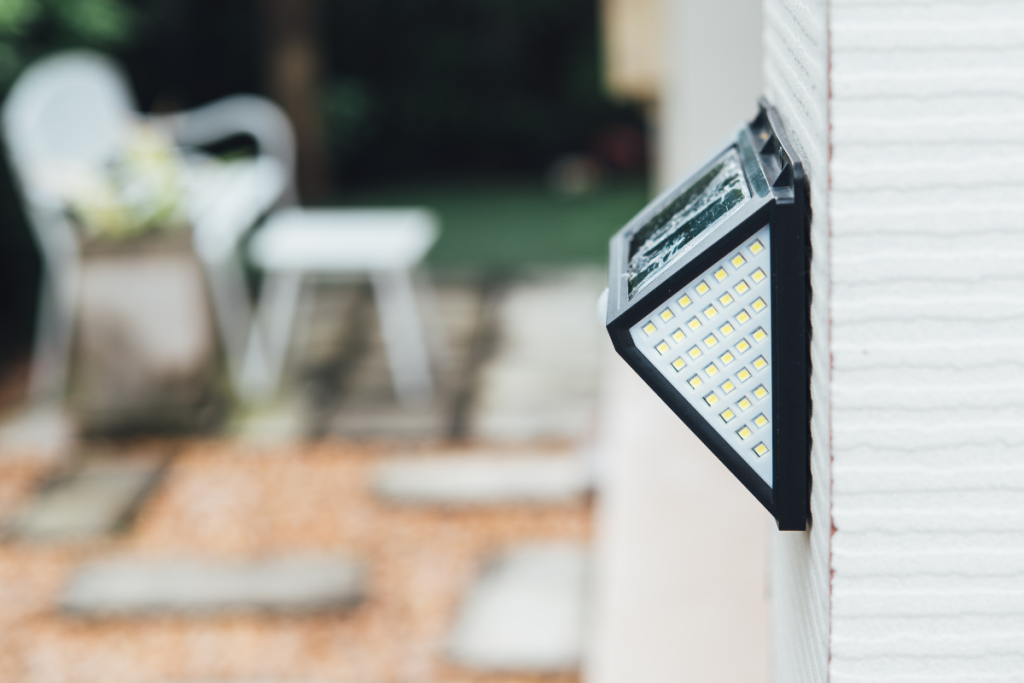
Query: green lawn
{"type": "Point", "coordinates": [508, 224]}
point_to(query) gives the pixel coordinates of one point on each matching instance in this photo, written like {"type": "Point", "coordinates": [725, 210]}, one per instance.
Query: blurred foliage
{"type": "Point", "coordinates": [505, 224]}
{"type": "Point", "coordinates": [30, 28]}
{"type": "Point", "coordinates": [409, 88]}
{"type": "Point", "coordinates": [462, 86]}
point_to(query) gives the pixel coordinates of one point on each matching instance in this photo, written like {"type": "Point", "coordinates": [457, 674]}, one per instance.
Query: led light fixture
{"type": "Point", "coordinates": [708, 301]}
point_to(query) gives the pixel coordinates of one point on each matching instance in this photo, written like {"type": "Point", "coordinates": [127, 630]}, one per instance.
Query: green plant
{"type": "Point", "coordinates": [30, 28]}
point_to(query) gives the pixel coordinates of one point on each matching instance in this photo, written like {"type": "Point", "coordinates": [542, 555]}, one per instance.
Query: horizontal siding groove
{"type": "Point", "coordinates": [974, 646]}
{"type": "Point", "coordinates": [911, 129]}
{"type": "Point", "coordinates": [931, 35]}
{"type": "Point", "coordinates": [1001, 174]}
{"type": "Point", "coordinates": [854, 479]}
{"type": "Point", "coordinates": [909, 567]}
{"type": "Point", "coordinates": [910, 520]}
{"type": "Point", "coordinates": [881, 84]}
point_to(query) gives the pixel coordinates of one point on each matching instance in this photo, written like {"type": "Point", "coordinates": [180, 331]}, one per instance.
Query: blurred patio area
{"type": "Point", "coordinates": [318, 471]}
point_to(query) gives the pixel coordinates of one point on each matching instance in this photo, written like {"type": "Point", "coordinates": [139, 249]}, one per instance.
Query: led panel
{"type": "Point", "coordinates": [708, 301]}
{"type": "Point", "coordinates": [737, 372]}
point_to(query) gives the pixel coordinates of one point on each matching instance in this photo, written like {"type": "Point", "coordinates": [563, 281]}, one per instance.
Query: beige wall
{"type": "Point", "coordinates": [682, 546]}
{"type": "Point", "coordinates": [711, 79]}
{"type": "Point", "coordinates": [681, 552]}
{"type": "Point", "coordinates": [632, 48]}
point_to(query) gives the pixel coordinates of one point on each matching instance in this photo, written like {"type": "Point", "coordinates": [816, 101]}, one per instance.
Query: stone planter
{"type": "Point", "coordinates": [145, 353]}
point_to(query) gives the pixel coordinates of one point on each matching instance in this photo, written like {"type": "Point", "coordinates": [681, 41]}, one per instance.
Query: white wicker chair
{"type": "Point", "coordinates": [76, 107]}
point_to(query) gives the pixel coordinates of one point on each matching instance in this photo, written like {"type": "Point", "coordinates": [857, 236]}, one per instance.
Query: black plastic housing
{"type": "Point", "coordinates": [768, 159]}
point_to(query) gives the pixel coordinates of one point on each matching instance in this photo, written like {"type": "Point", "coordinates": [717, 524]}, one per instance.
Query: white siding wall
{"type": "Point", "coordinates": [927, 217]}
{"type": "Point", "coordinates": [796, 82]}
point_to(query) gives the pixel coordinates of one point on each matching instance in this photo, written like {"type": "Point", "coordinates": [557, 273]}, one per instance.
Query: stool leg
{"type": "Point", "coordinates": [403, 336]}
{"type": "Point", "coordinates": [272, 333]}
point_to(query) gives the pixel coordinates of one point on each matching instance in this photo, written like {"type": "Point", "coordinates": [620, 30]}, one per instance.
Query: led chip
{"type": "Point", "coordinates": [758, 305]}
{"type": "Point", "coordinates": [759, 334]}
{"type": "Point", "coordinates": [737, 260]}
{"type": "Point", "coordinates": [695, 381]}
{"type": "Point", "coordinates": [744, 403]}
{"type": "Point", "coordinates": [710, 340]}
{"type": "Point", "coordinates": [760, 392]}
{"type": "Point", "coordinates": [742, 288]}
{"type": "Point", "coordinates": [721, 274]}
{"type": "Point", "coordinates": [743, 375]}
{"type": "Point", "coordinates": [678, 336]}
{"type": "Point", "coordinates": [662, 348]}
{"type": "Point", "coordinates": [725, 299]}
{"type": "Point", "coordinates": [727, 357]}
{"type": "Point", "coordinates": [711, 370]}
{"type": "Point", "coordinates": [728, 386]}
{"type": "Point", "coordinates": [742, 345]}
{"type": "Point", "coordinates": [678, 364]}
{"type": "Point", "coordinates": [667, 314]}
{"type": "Point", "coordinates": [710, 311]}
{"type": "Point", "coordinates": [711, 399]}
{"type": "Point", "coordinates": [742, 317]}
{"type": "Point", "coordinates": [744, 432]}
{"type": "Point", "coordinates": [757, 275]}
{"type": "Point", "coordinates": [760, 363]}
{"type": "Point", "coordinates": [756, 248]}
{"type": "Point", "coordinates": [695, 352]}
{"type": "Point", "coordinates": [760, 449]}
{"type": "Point", "coordinates": [650, 329]}
{"type": "Point", "coordinates": [694, 323]}
{"type": "Point", "coordinates": [684, 301]}
{"type": "Point", "coordinates": [702, 288]}
{"type": "Point", "coordinates": [727, 415]}
{"type": "Point", "coordinates": [726, 329]}
{"type": "Point", "coordinates": [761, 420]}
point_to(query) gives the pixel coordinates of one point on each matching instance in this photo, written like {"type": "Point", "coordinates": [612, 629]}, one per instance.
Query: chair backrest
{"type": "Point", "coordinates": [251, 115]}
{"type": "Point", "coordinates": [73, 107]}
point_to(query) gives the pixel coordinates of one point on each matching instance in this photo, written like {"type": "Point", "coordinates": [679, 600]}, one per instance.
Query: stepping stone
{"type": "Point", "coordinates": [36, 433]}
{"type": "Point", "coordinates": [480, 480]}
{"type": "Point", "coordinates": [97, 499]}
{"type": "Point", "coordinates": [364, 404]}
{"type": "Point", "coordinates": [541, 380]}
{"type": "Point", "coordinates": [300, 584]}
{"type": "Point", "coordinates": [526, 612]}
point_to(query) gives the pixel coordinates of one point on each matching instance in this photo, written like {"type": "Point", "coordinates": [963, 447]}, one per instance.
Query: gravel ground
{"type": "Point", "coordinates": [228, 500]}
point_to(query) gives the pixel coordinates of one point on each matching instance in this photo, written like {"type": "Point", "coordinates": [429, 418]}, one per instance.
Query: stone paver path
{"type": "Point", "coordinates": [270, 558]}
{"type": "Point", "coordinates": [293, 584]}
{"type": "Point", "coordinates": [233, 503]}
{"type": "Point", "coordinates": [482, 479]}
{"type": "Point", "coordinates": [540, 381]}
{"type": "Point", "coordinates": [526, 612]}
{"type": "Point", "coordinates": [96, 499]}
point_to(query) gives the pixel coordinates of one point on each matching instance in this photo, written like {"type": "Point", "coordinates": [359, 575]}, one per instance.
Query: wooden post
{"type": "Point", "coordinates": [292, 75]}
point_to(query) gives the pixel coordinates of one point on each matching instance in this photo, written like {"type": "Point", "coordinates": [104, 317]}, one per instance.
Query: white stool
{"type": "Point", "coordinates": [297, 244]}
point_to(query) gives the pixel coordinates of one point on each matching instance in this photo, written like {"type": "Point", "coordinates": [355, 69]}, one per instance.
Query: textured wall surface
{"type": "Point", "coordinates": [796, 82]}
{"type": "Point", "coordinates": [927, 211]}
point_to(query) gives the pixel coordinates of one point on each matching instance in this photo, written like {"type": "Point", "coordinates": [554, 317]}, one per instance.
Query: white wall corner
{"type": "Point", "coordinates": [796, 81]}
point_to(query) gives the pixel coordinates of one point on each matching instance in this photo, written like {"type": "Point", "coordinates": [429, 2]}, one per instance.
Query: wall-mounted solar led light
{"type": "Point", "coordinates": [708, 301]}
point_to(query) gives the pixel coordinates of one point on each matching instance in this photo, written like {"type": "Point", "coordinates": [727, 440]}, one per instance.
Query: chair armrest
{"type": "Point", "coordinates": [250, 115]}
